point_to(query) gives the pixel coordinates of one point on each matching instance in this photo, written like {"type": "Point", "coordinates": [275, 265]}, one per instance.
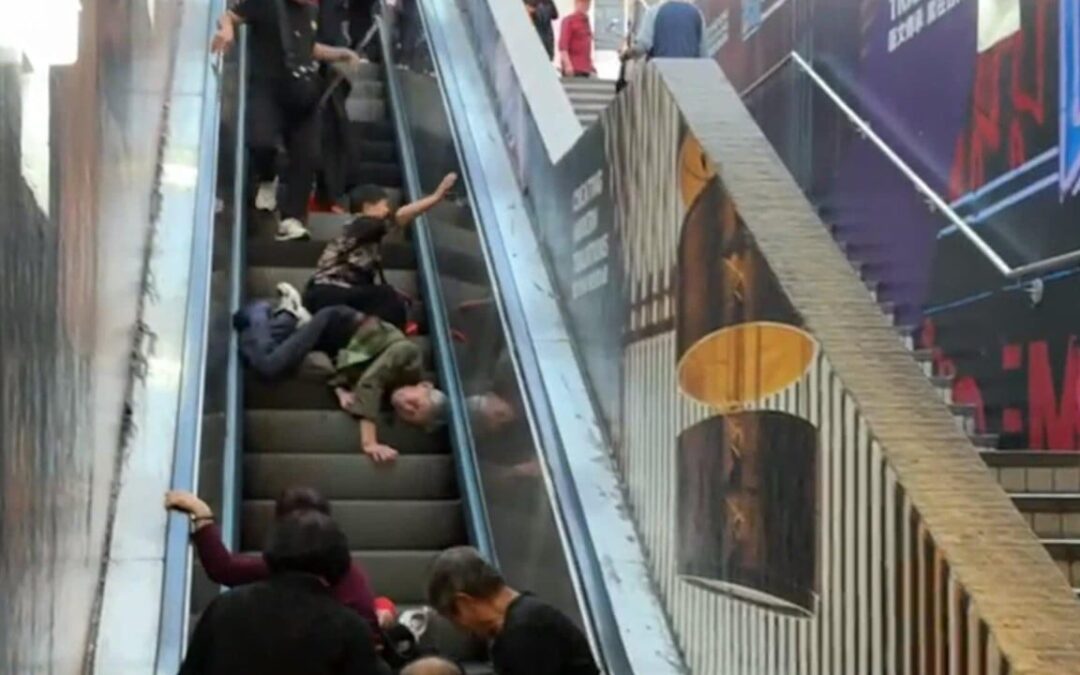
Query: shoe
{"type": "Point", "coordinates": [292, 229]}
{"type": "Point", "coordinates": [289, 301]}
{"type": "Point", "coordinates": [266, 197]}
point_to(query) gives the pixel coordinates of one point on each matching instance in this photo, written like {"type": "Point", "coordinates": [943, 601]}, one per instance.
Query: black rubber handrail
{"type": "Point", "coordinates": [461, 437]}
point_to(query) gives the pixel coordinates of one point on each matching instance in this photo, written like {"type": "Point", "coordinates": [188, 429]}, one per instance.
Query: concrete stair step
{"type": "Point", "coordinates": [350, 476]}
{"type": "Point", "coordinates": [1037, 474]}
{"type": "Point", "coordinates": [380, 524]}
{"type": "Point", "coordinates": [1066, 553]}
{"type": "Point", "coordinates": [330, 431]}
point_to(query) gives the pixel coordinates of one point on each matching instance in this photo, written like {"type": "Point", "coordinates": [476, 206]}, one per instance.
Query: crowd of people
{"type": "Point", "coordinates": [304, 606]}
{"type": "Point", "coordinates": [667, 29]}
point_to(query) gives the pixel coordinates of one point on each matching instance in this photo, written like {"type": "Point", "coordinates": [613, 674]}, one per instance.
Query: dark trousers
{"type": "Point", "coordinates": [271, 119]}
{"type": "Point", "coordinates": [380, 300]}
{"type": "Point", "coordinates": [273, 346]}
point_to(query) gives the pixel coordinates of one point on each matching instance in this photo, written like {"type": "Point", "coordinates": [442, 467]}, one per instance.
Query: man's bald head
{"type": "Point", "coordinates": [432, 665]}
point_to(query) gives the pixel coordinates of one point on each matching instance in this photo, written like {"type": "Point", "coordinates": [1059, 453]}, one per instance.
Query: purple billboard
{"type": "Point", "coordinates": [982, 99]}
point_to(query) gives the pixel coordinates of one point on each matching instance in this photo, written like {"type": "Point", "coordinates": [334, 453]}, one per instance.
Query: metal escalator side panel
{"type": "Point", "coordinates": [627, 622]}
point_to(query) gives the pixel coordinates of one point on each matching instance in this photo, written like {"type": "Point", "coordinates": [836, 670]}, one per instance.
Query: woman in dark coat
{"type": "Point", "coordinates": [543, 13]}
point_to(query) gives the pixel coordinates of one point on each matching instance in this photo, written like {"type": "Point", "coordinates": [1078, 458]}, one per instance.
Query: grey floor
{"type": "Point", "coordinates": [78, 157]}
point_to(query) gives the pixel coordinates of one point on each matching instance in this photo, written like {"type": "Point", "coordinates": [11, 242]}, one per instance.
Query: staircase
{"type": "Point", "coordinates": [589, 97]}
{"type": "Point", "coordinates": [1044, 485]}
{"type": "Point", "coordinates": [396, 518]}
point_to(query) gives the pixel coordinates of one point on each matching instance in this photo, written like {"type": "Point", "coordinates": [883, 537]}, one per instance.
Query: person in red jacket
{"type": "Point", "coordinates": [576, 42]}
{"type": "Point", "coordinates": [237, 569]}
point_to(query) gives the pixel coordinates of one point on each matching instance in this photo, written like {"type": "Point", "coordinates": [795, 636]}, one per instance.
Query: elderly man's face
{"type": "Point", "coordinates": [413, 403]}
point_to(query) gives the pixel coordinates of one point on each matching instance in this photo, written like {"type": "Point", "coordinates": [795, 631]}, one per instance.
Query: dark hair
{"type": "Point", "coordinates": [364, 195]}
{"type": "Point", "coordinates": [301, 499]}
{"type": "Point", "coordinates": [308, 542]}
{"type": "Point", "coordinates": [461, 570]}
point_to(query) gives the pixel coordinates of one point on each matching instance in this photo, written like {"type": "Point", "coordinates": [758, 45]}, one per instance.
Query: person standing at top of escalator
{"type": "Point", "coordinates": [576, 42]}
{"type": "Point", "coordinates": [673, 29]}
{"type": "Point", "coordinates": [543, 13]}
{"type": "Point", "coordinates": [284, 89]}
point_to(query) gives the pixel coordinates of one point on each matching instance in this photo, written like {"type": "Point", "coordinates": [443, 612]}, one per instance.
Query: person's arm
{"type": "Point", "coordinates": [367, 395]}
{"type": "Point", "coordinates": [408, 213]}
{"type": "Point", "coordinates": [222, 566]}
{"type": "Point", "coordinates": [328, 54]}
{"type": "Point", "coordinates": [226, 33]}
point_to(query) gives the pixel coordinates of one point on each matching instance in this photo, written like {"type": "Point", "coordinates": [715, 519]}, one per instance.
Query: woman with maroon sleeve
{"type": "Point", "coordinates": [236, 569]}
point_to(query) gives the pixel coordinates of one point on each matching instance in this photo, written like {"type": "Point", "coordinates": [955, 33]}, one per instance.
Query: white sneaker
{"type": "Point", "coordinates": [289, 301]}
{"type": "Point", "coordinates": [266, 197]}
{"type": "Point", "coordinates": [292, 229]}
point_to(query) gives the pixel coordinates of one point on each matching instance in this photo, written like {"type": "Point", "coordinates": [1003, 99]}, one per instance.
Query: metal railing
{"type": "Point", "coordinates": [1021, 272]}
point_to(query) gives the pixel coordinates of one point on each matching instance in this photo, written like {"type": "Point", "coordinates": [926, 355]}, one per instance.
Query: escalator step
{"type": "Point", "coordinates": [345, 476]}
{"type": "Point", "coordinates": [367, 87]}
{"type": "Point", "coordinates": [400, 575]}
{"type": "Point", "coordinates": [397, 524]}
{"type": "Point", "coordinates": [365, 109]}
{"type": "Point", "coordinates": [374, 130]}
{"type": "Point", "coordinates": [292, 394]}
{"type": "Point", "coordinates": [374, 150]}
{"type": "Point", "coordinates": [330, 431]}
{"type": "Point", "coordinates": [262, 281]}
{"type": "Point", "coordinates": [265, 252]}
{"type": "Point", "coordinates": [363, 171]}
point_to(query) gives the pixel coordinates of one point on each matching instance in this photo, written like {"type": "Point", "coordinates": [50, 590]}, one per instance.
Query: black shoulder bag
{"type": "Point", "coordinates": [304, 80]}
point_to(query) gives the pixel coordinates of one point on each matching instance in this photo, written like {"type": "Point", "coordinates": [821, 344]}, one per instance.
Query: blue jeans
{"type": "Point", "coordinates": [273, 346]}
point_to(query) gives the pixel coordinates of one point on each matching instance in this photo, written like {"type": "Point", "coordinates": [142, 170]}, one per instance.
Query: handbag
{"type": "Point", "coordinates": [303, 76]}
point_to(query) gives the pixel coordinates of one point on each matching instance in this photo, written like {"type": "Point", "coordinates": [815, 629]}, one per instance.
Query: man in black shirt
{"type": "Point", "coordinates": [283, 93]}
{"type": "Point", "coordinates": [529, 637]}
{"type": "Point", "coordinates": [289, 624]}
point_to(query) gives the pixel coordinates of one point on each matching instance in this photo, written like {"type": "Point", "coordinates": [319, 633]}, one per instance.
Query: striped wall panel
{"type": "Point", "coordinates": [886, 602]}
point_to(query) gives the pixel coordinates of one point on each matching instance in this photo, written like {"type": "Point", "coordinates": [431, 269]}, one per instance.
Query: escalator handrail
{"type": "Point", "coordinates": [177, 564]}
{"type": "Point", "coordinates": [461, 437]}
{"type": "Point", "coordinates": [598, 610]}
{"type": "Point", "coordinates": [231, 473]}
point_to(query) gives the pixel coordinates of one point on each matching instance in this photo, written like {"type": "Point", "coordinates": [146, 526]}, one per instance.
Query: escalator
{"type": "Point", "coordinates": [483, 479]}
{"type": "Point", "coordinates": [396, 518]}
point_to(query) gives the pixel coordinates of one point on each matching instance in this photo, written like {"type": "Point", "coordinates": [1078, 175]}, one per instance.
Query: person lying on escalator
{"type": "Point", "coordinates": [287, 623]}
{"type": "Point", "coordinates": [378, 371]}
{"type": "Point", "coordinates": [376, 368]}
{"type": "Point", "coordinates": [238, 569]}
{"type": "Point", "coordinates": [349, 271]}
{"type": "Point", "coordinates": [275, 340]}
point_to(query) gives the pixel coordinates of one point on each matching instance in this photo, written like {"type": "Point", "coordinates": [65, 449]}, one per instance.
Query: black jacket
{"type": "Point", "coordinates": [545, 13]}
{"type": "Point", "coordinates": [289, 624]}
